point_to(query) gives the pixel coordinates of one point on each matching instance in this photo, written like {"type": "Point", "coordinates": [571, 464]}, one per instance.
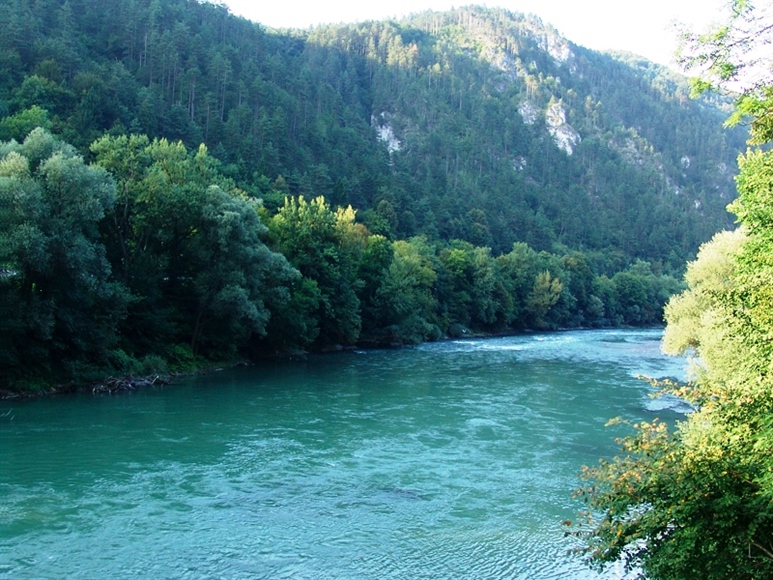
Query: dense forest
{"type": "Point", "coordinates": [181, 185]}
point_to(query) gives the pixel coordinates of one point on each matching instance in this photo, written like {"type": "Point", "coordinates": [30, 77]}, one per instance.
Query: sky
{"type": "Point", "coordinates": [643, 27]}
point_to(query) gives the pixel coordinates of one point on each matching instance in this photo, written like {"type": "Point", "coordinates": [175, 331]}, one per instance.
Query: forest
{"type": "Point", "coordinates": [180, 186]}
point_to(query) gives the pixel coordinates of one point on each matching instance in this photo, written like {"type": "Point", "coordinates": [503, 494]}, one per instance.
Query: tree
{"type": "Point", "coordinates": [323, 244]}
{"type": "Point", "coordinates": [697, 318]}
{"type": "Point", "coordinates": [189, 247]}
{"type": "Point", "coordinates": [372, 273]}
{"type": "Point", "coordinates": [734, 57]}
{"type": "Point", "coordinates": [518, 269]}
{"type": "Point", "coordinates": [544, 295]}
{"type": "Point", "coordinates": [18, 126]}
{"type": "Point", "coordinates": [696, 501]}
{"type": "Point", "coordinates": [408, 305]}
{"type": "Point", "coordinates": [60, 306]}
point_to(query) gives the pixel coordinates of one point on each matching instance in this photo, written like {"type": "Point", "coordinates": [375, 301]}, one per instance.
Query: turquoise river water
{"type": "Point", "coordinates": [449, 460]}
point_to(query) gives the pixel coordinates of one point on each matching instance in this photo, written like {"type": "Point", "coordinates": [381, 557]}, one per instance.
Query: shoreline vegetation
{"type": "Point", "coordinates": [695, 499]}
{"type": "Point", "coordinates": [217, 191]}
{"type": "Point", "coordinates": [126, 383]}
{"type": "Point", "coordinates": [148, 260]}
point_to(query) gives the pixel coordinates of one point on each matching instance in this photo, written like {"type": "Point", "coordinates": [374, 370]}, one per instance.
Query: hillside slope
{"type": "Point", "coordinates": [475, 124]}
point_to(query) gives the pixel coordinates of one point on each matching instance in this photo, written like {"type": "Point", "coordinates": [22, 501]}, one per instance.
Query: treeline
{"type": "Point", "coordinates": [435, 126]}
{"type": "Point", "coordinates": [151, 259]}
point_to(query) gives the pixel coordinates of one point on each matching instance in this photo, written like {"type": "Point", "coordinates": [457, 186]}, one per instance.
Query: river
{"type": "Point", "coordinates": [449, 460]}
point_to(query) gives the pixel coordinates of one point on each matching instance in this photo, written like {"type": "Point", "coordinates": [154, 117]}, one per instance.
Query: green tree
{"type": "Point", "coordinates": [695, 501]}
{"type": "Point", "coordinates": [322, 245]}
{"type": "Point", "coordinates": [518, 269]}
{"type": "Point", "coordinates": [59, 305]}
{"type": "Point", "coordinates": [631, 297]}
{"type": "Point", "coordinates": [409, 307]}
{"type": "Point", "coordinates": [697, 318]}
{"type": "Point", "coordinates": [544, 294]}
{"type": "Point", "coordinates": [189, 247]}
{"type": "Point", "coordinates": [372, 273]}
{"type": "Point", "coordinates": [18, 126]}
{"type": "Point", "coordinates": [730, 57]}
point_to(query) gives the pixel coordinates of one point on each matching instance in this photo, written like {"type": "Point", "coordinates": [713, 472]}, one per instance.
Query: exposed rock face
{"type": "Point", "coordinates": [528, 111]}
{"type": "Point", "coordinates": [504, 63]}
{"type": "Point", "coordinates": [383, 126]}
{"type": "Point", "coordinates": [558, 48]}
{"type": "Point", "coordinates": [564, 135]}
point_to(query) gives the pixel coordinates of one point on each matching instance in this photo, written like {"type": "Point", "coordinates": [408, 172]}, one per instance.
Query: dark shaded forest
{"type": "Point", "coordinates": [180, 185]}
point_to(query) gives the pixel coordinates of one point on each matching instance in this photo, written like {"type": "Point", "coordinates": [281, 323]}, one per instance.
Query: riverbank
{"type": "Point", "coordinates": [108, 385]}
{"type": "Point", "coordinates": [116, 383]}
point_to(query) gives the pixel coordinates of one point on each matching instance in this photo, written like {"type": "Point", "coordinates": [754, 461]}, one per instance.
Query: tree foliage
{"type": "Point", "coordinates": [325, 246]}
{"type": "Point", "coordinates": [695, 501]}
{"type": "Point", "coordinates": [189, 247]}
{"type": "Point", "coordinates": [152, 258]}
{"type": "Point", "coordinates": [58, 299]}
{"type": "Point", "coordinates": [437, 125]}
{"type": "Point", "coordinates": [244, 191]}
{"type": "Point", "coordinates": [735, 57]}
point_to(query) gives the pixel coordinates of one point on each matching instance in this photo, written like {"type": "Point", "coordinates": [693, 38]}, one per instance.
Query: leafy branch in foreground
{"type": "Point", "coordinates": [736, 57]}
{"type": "Point", "coordinates": [696, 501]}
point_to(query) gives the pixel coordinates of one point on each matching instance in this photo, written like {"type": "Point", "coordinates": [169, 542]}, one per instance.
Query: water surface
{"type": "Point", "coordinates": [449, 460]}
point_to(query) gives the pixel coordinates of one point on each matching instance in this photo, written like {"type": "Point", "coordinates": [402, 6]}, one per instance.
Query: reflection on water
{"type": "Point", "coordinates": [449, 460]}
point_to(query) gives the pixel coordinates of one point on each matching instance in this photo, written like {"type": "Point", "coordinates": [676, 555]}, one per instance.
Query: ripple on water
{"type": "Point", "coordinates": [450, 460]}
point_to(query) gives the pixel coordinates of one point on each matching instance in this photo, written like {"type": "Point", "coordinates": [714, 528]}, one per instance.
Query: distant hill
{"type": "Point", "coordinates": [475, 124]}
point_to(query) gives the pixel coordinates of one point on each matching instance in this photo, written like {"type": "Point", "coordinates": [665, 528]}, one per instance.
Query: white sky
{"type": "Point", "coordinates": [643, 27]}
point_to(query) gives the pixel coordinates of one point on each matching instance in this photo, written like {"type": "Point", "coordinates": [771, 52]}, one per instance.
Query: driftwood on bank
{"type": "Point", "coordinates": [128, 383]}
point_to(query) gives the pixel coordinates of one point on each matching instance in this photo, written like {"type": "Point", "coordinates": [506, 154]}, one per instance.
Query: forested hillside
{"type": "Point", "coordinates": [386, 182]}
{"type": "Point", "coordinates": [476, 124]}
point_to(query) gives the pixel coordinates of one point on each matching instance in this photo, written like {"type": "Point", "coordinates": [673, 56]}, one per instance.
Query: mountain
{"type": "Point", "coordinates": [180, 186]}
{"type": "Point", "coordinates": [475, 124]}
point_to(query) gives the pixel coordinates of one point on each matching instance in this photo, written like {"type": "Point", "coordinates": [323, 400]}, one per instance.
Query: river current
{"type": "Point", "coordinates": [449, 460]}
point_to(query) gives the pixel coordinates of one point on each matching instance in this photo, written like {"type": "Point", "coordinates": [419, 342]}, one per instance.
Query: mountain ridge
{"type": "Point", "coordinates": [200, 189]}
{"type": "Point", "coordinates": [469, 94]}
